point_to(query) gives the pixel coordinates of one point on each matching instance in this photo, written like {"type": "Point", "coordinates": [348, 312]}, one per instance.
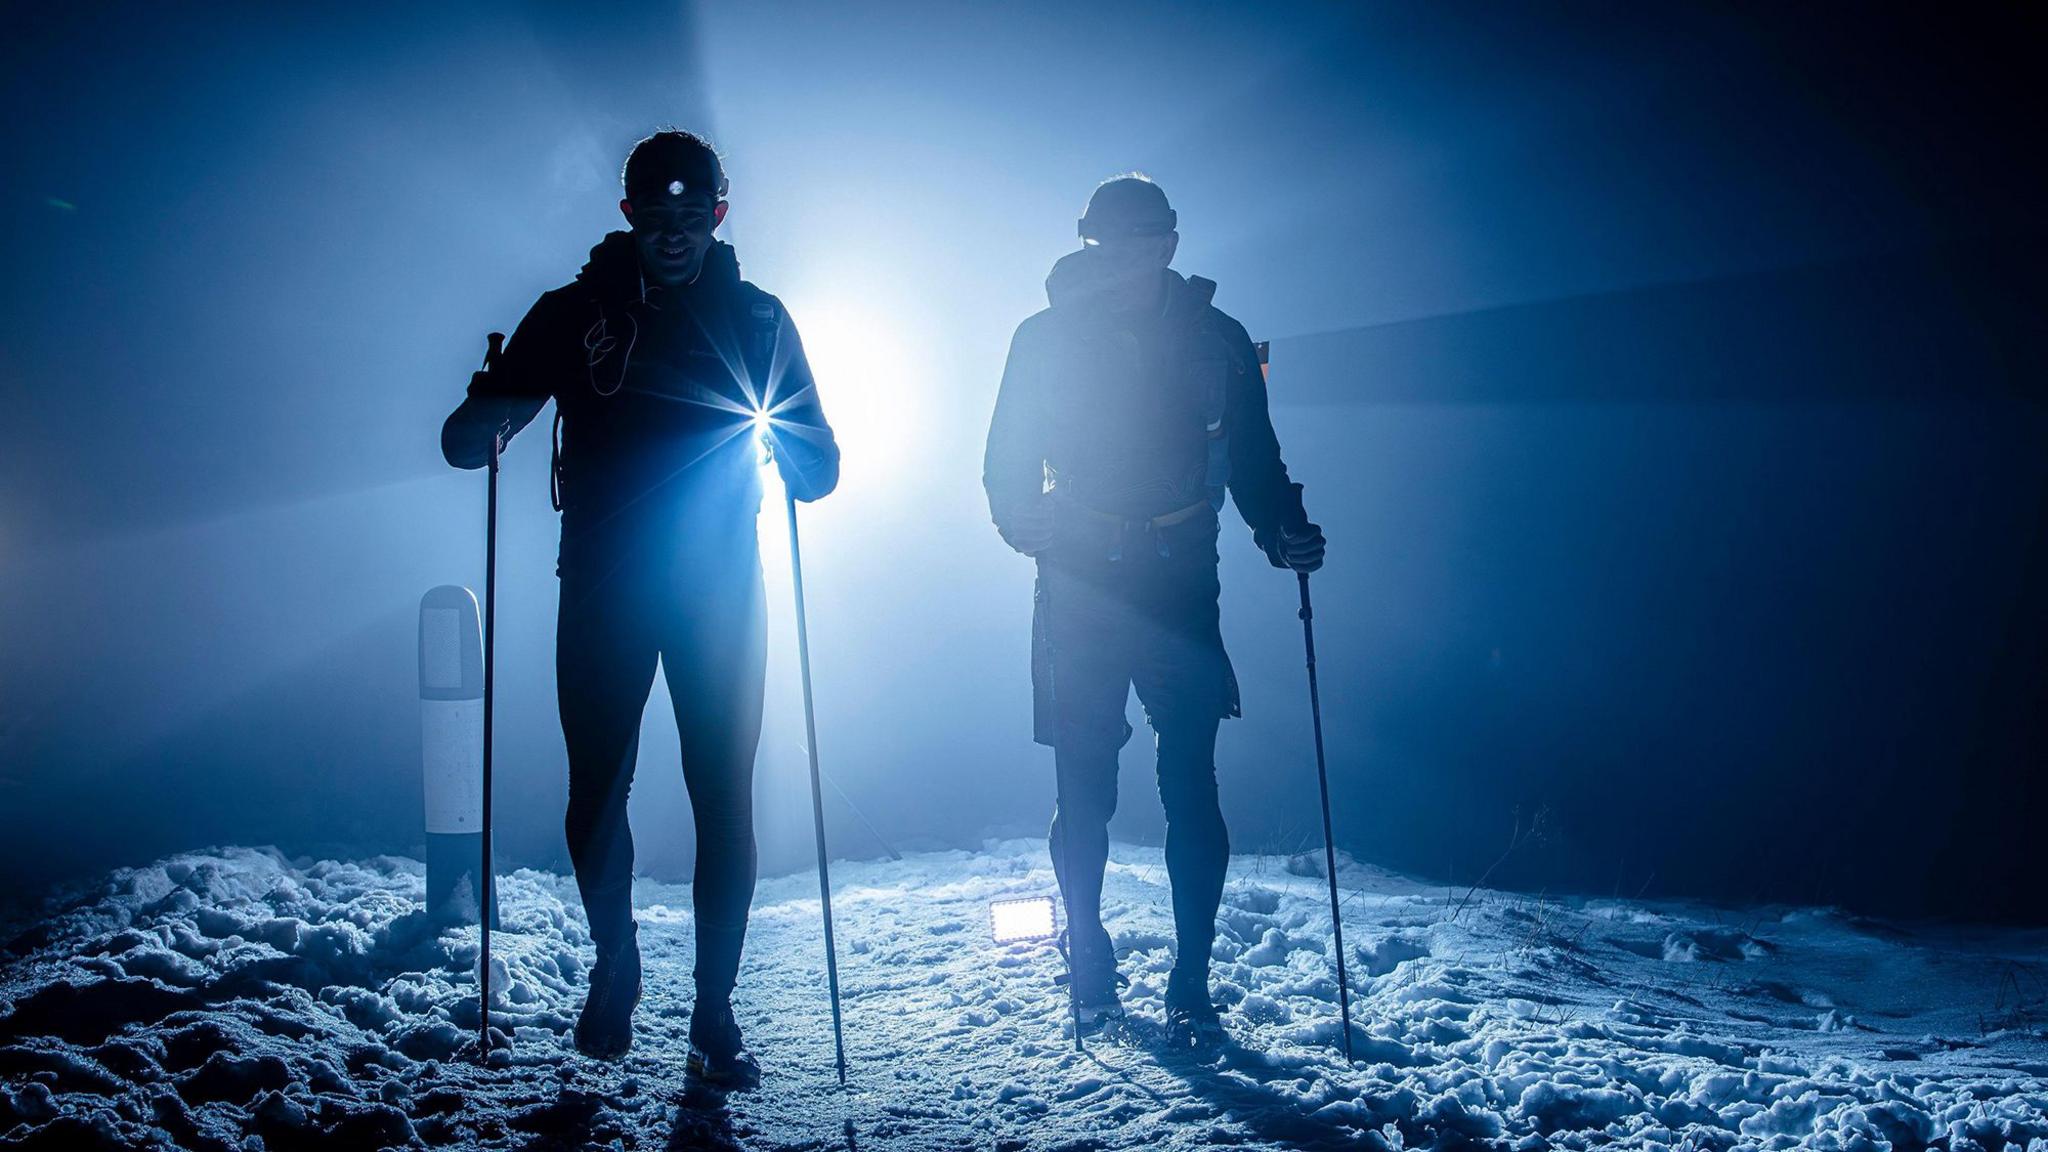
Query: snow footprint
{"type": "Point", "coordinates": [1253, 898]}
{"type": "Point", "coordinates": [1383, 957]}
{"type": "Point", "coordinates": [1272, 949]}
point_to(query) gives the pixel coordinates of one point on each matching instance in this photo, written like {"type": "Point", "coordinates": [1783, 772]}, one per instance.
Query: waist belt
{"type": "Point", "coordinates": [1123, 527]}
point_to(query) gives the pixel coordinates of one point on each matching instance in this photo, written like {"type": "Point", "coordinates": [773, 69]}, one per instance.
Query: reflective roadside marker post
{"type": "Point", "coordinates": [451, 669]}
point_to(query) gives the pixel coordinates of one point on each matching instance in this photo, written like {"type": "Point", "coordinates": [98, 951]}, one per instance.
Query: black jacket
{"type": "Point", "coordinates": [1113, 409]}
{"type": "Point", "coordinates": [655, 390]}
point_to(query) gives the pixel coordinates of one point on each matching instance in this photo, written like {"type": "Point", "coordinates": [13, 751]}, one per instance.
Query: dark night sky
{"type": "Point", "coordinates": [1668, 380]}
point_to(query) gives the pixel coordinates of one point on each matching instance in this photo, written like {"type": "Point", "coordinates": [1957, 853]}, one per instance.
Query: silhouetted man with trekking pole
{"type": "Point", "coordinates": [1129, 408]}
{"type": "Point", "coordinates": [660, 360]}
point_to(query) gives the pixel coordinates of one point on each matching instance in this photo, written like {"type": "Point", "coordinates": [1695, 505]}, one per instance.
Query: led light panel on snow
{"type": "Point", "coordinates": [1029, 918]}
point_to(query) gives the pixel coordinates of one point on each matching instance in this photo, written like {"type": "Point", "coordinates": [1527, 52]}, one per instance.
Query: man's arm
{"type": "Point", "coordinates": [508, 397]}
{"type": "Point", "coordinates": [806, 452]}
{"type": "Point", "coordinates": [1013, 464]}
{"type": "Point", "coordinates": [1269, 502]}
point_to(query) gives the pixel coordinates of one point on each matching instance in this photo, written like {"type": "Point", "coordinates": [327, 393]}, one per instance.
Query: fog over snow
{"type": "Point", "coordinates": [235, 999]}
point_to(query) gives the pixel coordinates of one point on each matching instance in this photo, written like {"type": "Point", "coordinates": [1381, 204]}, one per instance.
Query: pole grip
{"type": "Point", "coordinates": [494, 346]}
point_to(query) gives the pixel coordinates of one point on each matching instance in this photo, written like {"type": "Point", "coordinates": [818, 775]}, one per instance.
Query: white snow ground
{"type": "Point", "coordinates": [235, 999]}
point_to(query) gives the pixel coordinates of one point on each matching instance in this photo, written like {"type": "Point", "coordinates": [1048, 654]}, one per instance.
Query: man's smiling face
{"type": "Point", "coordinates": [672, 229]}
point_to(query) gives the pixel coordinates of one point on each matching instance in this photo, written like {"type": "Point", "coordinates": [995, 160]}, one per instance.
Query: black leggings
{"type": "Point", "coordinates": [1197, 842]}
{"type": "Point", "coordinates": [706, 628]}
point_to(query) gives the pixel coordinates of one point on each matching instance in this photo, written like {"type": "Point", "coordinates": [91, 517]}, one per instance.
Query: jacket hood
{"type": "Point", "coordinates": [613, 270]}
{"type": "Point", "coordinates": [1079, 281]}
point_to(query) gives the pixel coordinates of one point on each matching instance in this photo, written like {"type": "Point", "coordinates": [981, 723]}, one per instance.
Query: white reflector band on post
{"type": "Point", "coordinates": [1029, 918]}
{"type": "Point", "coordinates": [452, 765]}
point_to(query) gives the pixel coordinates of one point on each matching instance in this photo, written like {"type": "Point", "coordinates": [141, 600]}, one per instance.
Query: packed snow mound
{"type": "Point", "coordinates": [234, 999]}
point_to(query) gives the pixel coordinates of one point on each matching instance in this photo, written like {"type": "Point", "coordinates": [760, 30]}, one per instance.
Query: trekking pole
{"type": "Point", "coordinates": [496, 344]}
{"type": "Point", "coordinates": [803, 655]}
{"type": "Point", "coordinates": [1066, 861]}
{"type": "Point", "coordinates": [1315, 706]}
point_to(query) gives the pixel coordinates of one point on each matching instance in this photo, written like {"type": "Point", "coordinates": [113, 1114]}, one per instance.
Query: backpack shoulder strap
{"type": "Point", "coordinates": [1212, 361]}
{"type": "Point", "coordinates": [762, 328]}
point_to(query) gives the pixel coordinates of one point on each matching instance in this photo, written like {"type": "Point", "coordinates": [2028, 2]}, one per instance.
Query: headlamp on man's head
{"type": "Point", "coordinates": [672, 164]}
{"type": "Point", "coordinates": [1095, 232]}
{"type": "Point", "coordinates": [672, 186]}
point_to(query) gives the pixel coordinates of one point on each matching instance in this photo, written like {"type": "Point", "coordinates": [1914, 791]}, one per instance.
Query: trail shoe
{"type": "Point", "coordinates": [718, 1054]}
{"type": "Point", "coordinates": [604, 1030]}
{"type": "Point", "coordinates": [1191, 1020]}
{"type": "Point", "coordinates": [1093, 979]}
{"type": "Point", "coordinates": [1195, 1027]}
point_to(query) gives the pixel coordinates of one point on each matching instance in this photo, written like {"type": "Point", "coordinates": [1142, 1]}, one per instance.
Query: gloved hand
{"type": "Point", "coordinates": [1298, 548]}
{"type": "Point", "coordinates": [1029, 529]}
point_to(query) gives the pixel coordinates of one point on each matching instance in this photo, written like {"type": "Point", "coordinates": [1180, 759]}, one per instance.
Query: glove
{"type": "Point", "coordinates": [1298, 548]}
{"type": "Point", "coordinates": [1030, 528]}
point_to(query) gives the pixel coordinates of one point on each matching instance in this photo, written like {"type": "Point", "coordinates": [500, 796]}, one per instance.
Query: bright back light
{"type": "Point", "coordinates": [871, 380]}
{"type": "Point", "coordinates": [1028, 918]}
